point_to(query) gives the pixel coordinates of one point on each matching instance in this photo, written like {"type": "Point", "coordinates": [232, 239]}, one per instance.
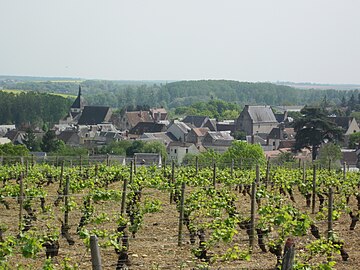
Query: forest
{"type": "Point", "coordinates": [32, 107]}
{"type": "Point", "coordinates": [118, 94]}
{"type": "Point", "coordinates": [220, 99]}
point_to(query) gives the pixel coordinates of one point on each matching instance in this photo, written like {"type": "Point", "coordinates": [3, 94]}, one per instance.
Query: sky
{"type": "Point", "coordinates": [254, 40]}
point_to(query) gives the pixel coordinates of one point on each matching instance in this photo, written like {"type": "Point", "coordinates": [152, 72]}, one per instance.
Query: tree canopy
{"type": "Point", "coordinates": [315, 128]}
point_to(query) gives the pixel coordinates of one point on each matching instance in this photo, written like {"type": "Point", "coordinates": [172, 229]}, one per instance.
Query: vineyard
{"type": "Point", "coordinates": [221, 216]}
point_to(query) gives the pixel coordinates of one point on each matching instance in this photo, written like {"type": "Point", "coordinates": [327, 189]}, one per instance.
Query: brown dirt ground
{"type": "Point", "coordinates": [155, 245]}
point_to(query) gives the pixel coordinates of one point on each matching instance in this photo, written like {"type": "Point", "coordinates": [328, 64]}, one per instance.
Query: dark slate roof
{"type": "Point", "coordinates": [223, 126]}
{"type": "Point", "coordinates": [261, 114]}
{"type": "Point", "coordinates": [79, 102]}
{"type": "Point", "coordinates": [280, 117]}
{"type": "Point", "coordinates": [147, 127]}
{"type": "Point", "coordinates": [196, 120]}
{"type": "Point", "coordinates": [66, 135]}
{"type": "Point", "coordinates": [93, 115]}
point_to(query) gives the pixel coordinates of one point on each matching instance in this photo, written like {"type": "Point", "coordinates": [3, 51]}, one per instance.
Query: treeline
{"type": "Point", "coordinates": [32, 108]}
{"type": "Point", "coordinates": [118, 94]}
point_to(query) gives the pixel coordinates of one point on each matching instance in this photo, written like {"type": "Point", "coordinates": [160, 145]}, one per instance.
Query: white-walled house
{"type": "Point", "coordinates": [177, 150]}
{"type": "Point", "coordinates": [179, 130]}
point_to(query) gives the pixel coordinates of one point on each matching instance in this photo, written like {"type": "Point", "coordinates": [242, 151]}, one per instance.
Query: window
{"type": "Point", "coordinates": [187, 151]}
{"type": "Point", "coordinates": [175, 151]}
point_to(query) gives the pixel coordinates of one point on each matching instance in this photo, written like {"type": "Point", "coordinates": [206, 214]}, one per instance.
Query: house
{"type": "Point", "coordinates": [349, 126]}
{"type": "Point", "coordinates": [256, 120]}
{"type": "Point", "coordinates": [219, 141]}
{"type": "Point", "coordinates": [164, 137]}
{"type": "Point", "coordinates": [226, 125]}
{"type": "Point", "coordinates": [107, 137]}
{"type": "Point", "coordinates": [159, 114]}
{"type": "Point", "coordinates": [129, 120]}
{"type": "Point", "coordinates": [70, 137]}
{"type": "Point", "coordinates": [147, 127]}
{"type": "Point", "coordinates": [196, 135]}
{"type": "Point", "coordinates": [5, 128]}
{"type": "Point", "coordinates": [177, 150]}
{"type": "Point", "coordinates": [196, 120]}
{"type": "Point", "coordinates": [16, 136]}
{"type": "Point", "coordinates": [279, 135]}
{"type": "Point", "coordinates": [179, 130]}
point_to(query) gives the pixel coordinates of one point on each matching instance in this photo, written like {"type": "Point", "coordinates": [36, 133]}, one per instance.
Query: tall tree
{"type": "Point", "coordinates": [50, 143]}
{"type": "Point", "coordinates": [315, 128]}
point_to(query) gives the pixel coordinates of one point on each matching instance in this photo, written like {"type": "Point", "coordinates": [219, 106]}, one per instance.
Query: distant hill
{"type": "Point", "coordinates": [118, 94]}
{"type": "Point", "coordinates": [321, 86]}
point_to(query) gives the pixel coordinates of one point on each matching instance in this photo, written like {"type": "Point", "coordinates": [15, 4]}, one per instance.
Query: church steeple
{"type": "Point", "coordinates": [79, 102]}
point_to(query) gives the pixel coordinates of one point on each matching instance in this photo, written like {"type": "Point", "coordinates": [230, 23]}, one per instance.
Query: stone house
{"type": "Point", "coordinates": [256, 120]}
{"type": "Point", "coordinates": [179, 130]}
{"type": "Point", "coordinates": [219, 141]}
{"type": "Point", "coordinates": [196, 135]}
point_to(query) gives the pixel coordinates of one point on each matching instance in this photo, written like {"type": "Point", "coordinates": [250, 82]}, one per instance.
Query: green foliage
{"type": "Point", "coordinates": [214, 109]}
{"type": "Point", "coordinates": [30, 141]}
{"type": "Point", "coordinates": [330, 153]}
{"type": "Point", "coordinates": [314, 128]}
{"type": "Point", "coordinates": [354, 140]}
{"type": "Point", "coordinates": [50, 143]}
{"type": "Point", "coordinates": [129, 148]}
{"type": "Point", "coordinates": [66, 150]}
{"type": "Point", "coordinates": [244, 153]}
{"type": "Point", "coordinates": [32, 107]}
{"type": "Point", "coordinates": [10, 149]}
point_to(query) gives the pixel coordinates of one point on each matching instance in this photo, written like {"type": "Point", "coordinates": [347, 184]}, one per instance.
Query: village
{"type": "Point", "coordinates": [93, 127]}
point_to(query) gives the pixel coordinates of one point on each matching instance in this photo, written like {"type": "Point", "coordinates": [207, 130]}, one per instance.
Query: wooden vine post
{"type": "Point", "coordinates": [172, 180]}
{"type": "Point", "coordinates": [80, 165]}
{"type": "Point", "coordinates": [21, 202]}
{"type": "Point", "coordinates": [123, 196]}
{"type": "Point", "coordinates": [330, 218]}
{"type": "Point", "coordinates": [232, 168]}
{"type": "Point", "coordinates": [66, 196]}
{"type": "Point", "coordinates": [181, 218]}
{"type": "Point", "coordinates": [214, 174]}
{"type": "Point", "coordinates": [95, 253]}
{"type": "Point", "coordinates": [197, 164]}
{"type": "Point", "coordinates": [313, 190]}
{"type": "Point", "coordinates": [267, 176]}
{"type": "Point", "coordinates": [344, 170]}
{"type": "Point", "coordinates": [107, 160]}
{"type": "Point", "coordinates": [134, 164]}
{"type": "Point", "coordinates": [252, 210]}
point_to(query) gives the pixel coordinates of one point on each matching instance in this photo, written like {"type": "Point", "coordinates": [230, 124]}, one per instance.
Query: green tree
{"type": "Point", "coordinates": [136, 147]}
{"type": "Point", "coordinates": [330, 153]}
{"type": "Point", "coordinates": [30, 141]}
{"type": "Point", "coordinates": [354, 140]}
{"type": "Point", "coordinates": [155, 147]}
{"type": "Point", "coordinates": [313, 129]}
{"type": "Point", "coordinates": [50, 143]}
{"type": "Point", "coordinates": [244, 153]}
{"type": "Point", "coordinates": [10, 149]}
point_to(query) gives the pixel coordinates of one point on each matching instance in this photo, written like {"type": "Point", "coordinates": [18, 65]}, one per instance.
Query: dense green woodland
{"type": "Point", "coordinates": [32, 107]}
{"type": "Point", "coordinates": [218, 99]}
{"type": "Point", "coordinates": [118, 94]}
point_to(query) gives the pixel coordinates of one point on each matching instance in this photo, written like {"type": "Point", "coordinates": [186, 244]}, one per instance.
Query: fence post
{"type": "Point", "coordinates": [344, 170]}
{"type": "Point", "coordinates": [313, 190]}
{"type": "Point", "coordinates": [80, 165]}
{"type": "Point", "coordinates": [107, 159]}
{"type": "Point", "coordinates": [252, 211]}
{"type": "Point", "coordinates": [181, 218]}
{"type": "Point", "coordinates": [95, 253]}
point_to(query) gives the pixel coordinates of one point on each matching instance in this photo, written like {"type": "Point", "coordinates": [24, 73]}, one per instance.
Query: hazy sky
{"type": "Point", "coordinates": [253, 40]}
